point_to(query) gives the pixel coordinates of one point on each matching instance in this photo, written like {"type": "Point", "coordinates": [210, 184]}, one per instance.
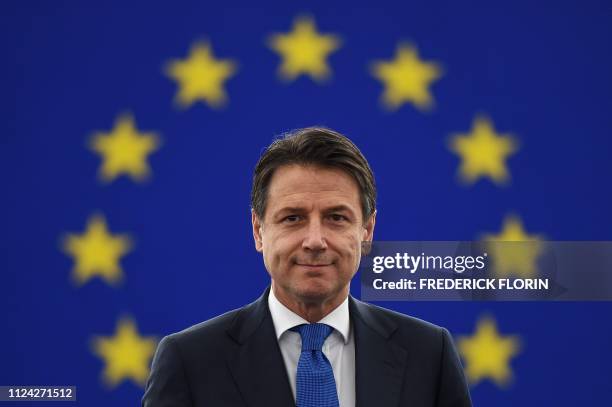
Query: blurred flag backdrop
{"type": "Point", "coordinates": [130, 131]}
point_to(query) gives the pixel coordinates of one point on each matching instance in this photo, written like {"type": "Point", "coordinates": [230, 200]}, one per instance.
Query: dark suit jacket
{"type": "Point", "coordinates": [234, 360]}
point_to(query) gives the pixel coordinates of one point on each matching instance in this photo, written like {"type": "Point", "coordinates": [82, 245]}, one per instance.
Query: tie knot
{"type": "Point", "coordinates": [313, 335]}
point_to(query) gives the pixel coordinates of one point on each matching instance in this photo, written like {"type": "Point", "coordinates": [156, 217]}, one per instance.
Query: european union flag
{"type": "Point", "coordinates": [131, 131]}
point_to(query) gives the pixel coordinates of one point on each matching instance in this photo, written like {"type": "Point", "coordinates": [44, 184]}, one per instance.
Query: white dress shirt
{"type": "Point", "coordinates": [339, 347]}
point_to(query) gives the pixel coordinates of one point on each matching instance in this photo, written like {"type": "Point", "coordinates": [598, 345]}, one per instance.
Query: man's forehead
{"type": "Point", "coordinates": [298, 179]}
{"type": "Point", "coordinates": [299, 185]}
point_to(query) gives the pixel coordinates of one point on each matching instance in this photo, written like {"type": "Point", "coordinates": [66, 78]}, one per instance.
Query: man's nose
{"type": "Point", "coordinates": [315, 236]}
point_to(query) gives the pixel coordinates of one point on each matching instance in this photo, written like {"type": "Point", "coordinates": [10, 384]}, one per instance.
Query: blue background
{"type": "Point", "coordinates": [539, 70]}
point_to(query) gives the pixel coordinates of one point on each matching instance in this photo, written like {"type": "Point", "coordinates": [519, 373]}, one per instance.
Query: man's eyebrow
{"type": "Point", "coordinates": [339, 208]}
{"type": "Point", "coordinates": [289, 209]}
{"type": "Point", "coordinates": [299, 209]}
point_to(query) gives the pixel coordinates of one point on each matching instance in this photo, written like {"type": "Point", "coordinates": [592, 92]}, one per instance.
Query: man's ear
{"type": "Point", "coordinates": [368, 227]}
{"type": "Point", "coordinates": [257, 231]}
{"type": "Point", "coordinates": [368, 235]}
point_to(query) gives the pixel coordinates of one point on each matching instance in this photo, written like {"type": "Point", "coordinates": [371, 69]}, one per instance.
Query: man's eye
{"type": "Point", "coordinates": [338, 218]}
{"type": "Point", "coordinates": [291, 218]}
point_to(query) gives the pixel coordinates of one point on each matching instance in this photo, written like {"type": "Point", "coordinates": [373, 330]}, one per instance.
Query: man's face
{"type": "Point", "coordinates": [311, 233]}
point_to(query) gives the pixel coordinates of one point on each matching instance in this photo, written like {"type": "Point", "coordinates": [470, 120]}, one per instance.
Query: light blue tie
{"type": "Point", "coordinates": [315, 384]}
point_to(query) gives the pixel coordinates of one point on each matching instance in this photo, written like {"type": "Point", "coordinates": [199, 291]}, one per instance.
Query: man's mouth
{"type": "Point", "coordinates": [313, 265]}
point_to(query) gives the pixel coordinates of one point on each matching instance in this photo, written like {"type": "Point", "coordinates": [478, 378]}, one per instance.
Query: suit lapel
{"type": "Point", "coordinates": [257, 366]}
{"type": "Point", "coordinates": [379, 363]}
{"type": "Point", "coordinates": [260, 374]}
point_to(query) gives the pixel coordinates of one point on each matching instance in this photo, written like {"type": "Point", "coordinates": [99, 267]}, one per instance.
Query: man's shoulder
{"type": "Point", "coordinates": [218, 330]}
{"type": "Point", "coordinates": [210, 328]}
{"type": "Point", "coordinates": [400, 326]}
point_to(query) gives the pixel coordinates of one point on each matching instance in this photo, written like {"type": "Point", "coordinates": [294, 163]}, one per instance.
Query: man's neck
{"type": "Point", "coordinates": [311, 311]}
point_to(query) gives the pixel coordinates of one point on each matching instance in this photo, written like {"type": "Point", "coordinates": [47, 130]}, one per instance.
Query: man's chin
{"type": "Point", "coordinates": [316, 292]}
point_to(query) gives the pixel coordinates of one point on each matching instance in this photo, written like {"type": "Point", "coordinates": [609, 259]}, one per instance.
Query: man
{"type": "Point", "coordinates": [306, 341]}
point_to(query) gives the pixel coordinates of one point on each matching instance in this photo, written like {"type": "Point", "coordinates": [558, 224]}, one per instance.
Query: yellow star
{"type": "Point", "coordinates": [483, 152]}
{"type": "Point", "coordinates": [513, 251]}
{"type": "Point", "coordinates": [487, 354]}
{"type": "Point", "coordinates": [406, 78]}
{"type": "Point", "coordinates": [201, 76]}
{"type": "Point", "coordinates": [304, 50]}
{"type": "Point", "coordinates": [126, 355]}
{"type": "Point", "coordinates": [96, 252]}
{"type": "Point", "coordinates": [124, 150]}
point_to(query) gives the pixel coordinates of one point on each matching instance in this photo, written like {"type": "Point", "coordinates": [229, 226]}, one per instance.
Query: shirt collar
{"type": "Point", "coordinates": [285, 319]}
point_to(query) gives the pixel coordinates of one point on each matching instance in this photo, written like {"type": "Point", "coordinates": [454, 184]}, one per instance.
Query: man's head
{"type": "Point", "coordinates": [313, 204]}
